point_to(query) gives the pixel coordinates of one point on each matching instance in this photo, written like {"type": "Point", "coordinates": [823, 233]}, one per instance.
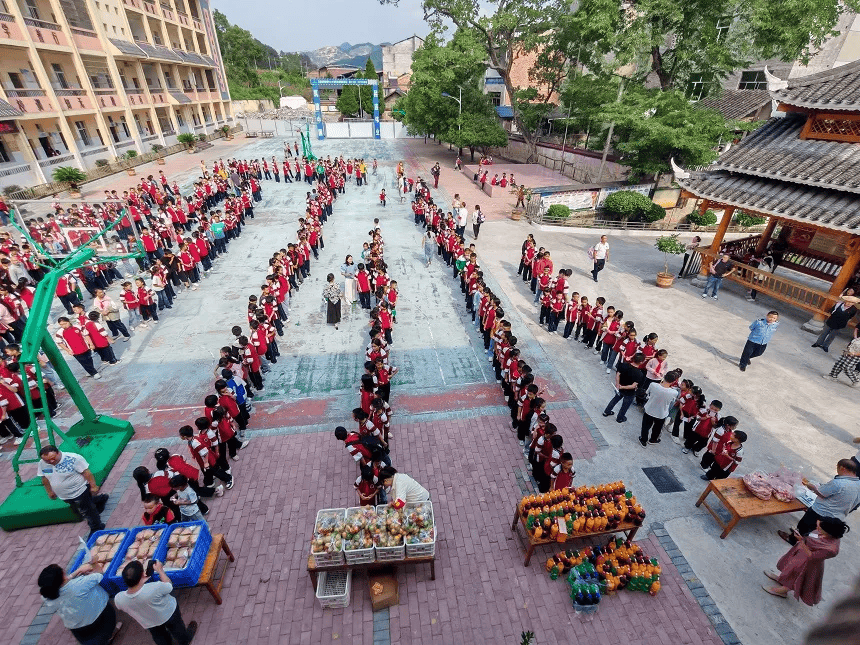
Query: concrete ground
{"type": "Point", "coordinates": [452, 435]}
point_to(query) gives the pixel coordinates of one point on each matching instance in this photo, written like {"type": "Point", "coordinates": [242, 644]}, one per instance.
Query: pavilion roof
{"type": "Point", "coordinates": [832, 89]}
{"type": "Point", "coordinates": [738, 104]}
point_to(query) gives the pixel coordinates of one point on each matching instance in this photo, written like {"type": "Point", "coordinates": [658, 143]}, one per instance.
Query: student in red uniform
{"type": "Point", "coordinates": [727, 457]}
{"type": "Point", "coordinates": [131, 302]}
{"type": "Point", "coordinates": [100, 339]}
{"type": "Point", "coordinates": [227, 400]}
{"type": "Point", "coordinates": [154, 512]}
{"type": "Point", "coordinates": [548, 459]}
{"type": "Point", "coordinates": [720, 435]}
{"type": "Point", "coordinates": [562, 475]}
{"type": "Point", "coordinates": [251, 361]}
{"type": "Point", "coordinates": [201, 451]}
{"type": "Point", "coordinates": [146, 298]}
{"type": "Point", "coordinates": [367, 486]}
{"type": "Point", "coordinates": [705, 421]}
{"type": "Point", "coordinates": [382, 197]}
{"type": "Point", "coordinates": [77, 344]}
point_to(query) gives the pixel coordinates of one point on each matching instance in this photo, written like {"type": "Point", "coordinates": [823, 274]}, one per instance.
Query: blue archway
{"type": "Point", "coordinates": [337, 83]}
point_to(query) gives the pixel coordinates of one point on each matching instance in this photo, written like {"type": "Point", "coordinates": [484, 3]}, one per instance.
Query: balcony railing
{"type": "Point", "coordinates": [133, 90]}
{"type": "Point", "coordinates": [93, 151]}
{"type": "Point", "coordinates": [14, 169]}
{"type": "Point", "coordinates": [42, 24]}
{"type": "Point", "coordinates": [168, 133]}
{"type": "Point", "coordinates": [101, 91]}
{"type": "Point", "coordinates": [83, 32]}
{"type": "Point", "coordinates": [5, 17]}
{"type": "Point", "coordinates": [151, 137]}
{"type": "Point", "coordinates": [24, 94]}
{"type": "Point", "coordinates": [125, 143]}
{"type": "Point", "coordinates": [53, 161]}
{"type": "Point", "coordinates": [152, 88]}
{"type": "Point", "coordinates": [69, 91]}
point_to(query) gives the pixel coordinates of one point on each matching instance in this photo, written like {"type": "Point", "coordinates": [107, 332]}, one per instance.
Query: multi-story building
{"type": "Point", "coordinates": [84, 80]}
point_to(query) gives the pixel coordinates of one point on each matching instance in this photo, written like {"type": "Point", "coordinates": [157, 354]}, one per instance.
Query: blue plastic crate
{"type": "Point", "coordinates": [113, 576]}
{"type": "Point", "coordinates": [188, 576]}
{"type": "Point", "coordinates": [78, 559]}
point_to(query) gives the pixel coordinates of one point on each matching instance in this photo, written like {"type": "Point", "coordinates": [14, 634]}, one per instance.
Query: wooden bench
{"type": "Point", "coordinates": [209, 577]}
{"type": "Point", "coordinates": [267, 134]}
{"type": "Point", "coordinates": [250, 135]}
{"type": "Point", "coordinates": [741, 503]}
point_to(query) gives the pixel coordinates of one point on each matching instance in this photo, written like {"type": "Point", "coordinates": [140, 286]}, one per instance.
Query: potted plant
{"type": "Point", "coordinates": [202, 137]}
{"type": "Point", "coordinates": [72, 176]}
{"type": "Point", "coordinates": [157, 148]}
{"type": "Point", "coordinates": [188, 139]}
{"type": "Point", "coordinates": [101, 163]}
{"type": "Point", "coordinates": [226, 130]}
{"type": "Point", "coordinates": [125, 161]}
{"type": "Point", "coordinates": [667, 245]}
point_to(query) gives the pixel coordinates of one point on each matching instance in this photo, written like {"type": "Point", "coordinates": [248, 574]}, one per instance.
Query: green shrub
{"type": "Point", "coordinates": [744, 219]}
{"type": "Point", "coordinates": [101, 163]}
{"type": "Point", "coordinates": [654, 213]}
{"type": "Point", "coordinates": [201, 137]}
{"type": "Point", "coordinates": [186, 138]}
{"type": "Point", "coordinates": [130, 154]}
{"type": "Point", "coordinates": [558, 211]}
{"type": "Point", "coordinates": [628, 204]}
{"type": "Point", "coordinates": [68, 174]}
{"type": "Point", "coordinates": [12, 188]}
{"type": "Point", "coordinates": [156, 148]}
{"type": "Point", "coordinates": [708, 218]}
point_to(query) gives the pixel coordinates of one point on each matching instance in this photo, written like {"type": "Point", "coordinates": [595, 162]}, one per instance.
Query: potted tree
{"type": "Point", "coordinates": [226, 130]}
{"type": "Point", "coordinates": [668, 245]}
{"type": "Point", "coordinates": [157, 148]}
{"type": "Point", "coordinates": [187, 139]}
{"type": "Point", "coordinates": [125, 161]}
{"type": "Point", "coordinates": [72, 176]}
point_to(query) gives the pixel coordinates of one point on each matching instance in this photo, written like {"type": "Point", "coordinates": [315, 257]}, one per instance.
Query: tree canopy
{"type": "Point", "coordinates": [456, 69]}
{"type": "Point", "coordinates": [348, 101]}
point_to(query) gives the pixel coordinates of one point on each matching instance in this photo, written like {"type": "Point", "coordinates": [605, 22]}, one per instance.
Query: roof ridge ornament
{"type": "Point", "coordinates": [679, 172]}
{"type": "Point", "coordinates": [774, 83]}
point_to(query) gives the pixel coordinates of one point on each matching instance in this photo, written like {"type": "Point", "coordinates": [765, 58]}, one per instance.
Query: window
{"type": "Point", "coordinates": [179, 119]}
{"type": "Point", "coordinates": [83, 135]}
{"type": "Point", "coordinates": [125, 127]}
{"type": "Point", "coordinates": [60, 75]}
{"type": "Point", "coordinates": [495, 98]}
{"type": "Point", "coordinates": [722, 26]}
{"type": "Point", "coordinates": [15, 79]}
{"type": "Point", "coordinates": [753, 81]}
{"type": "Point", "coordinates": [697, 86]}
{"type": "Point", "coordinates": [32, 9]}
{"type": "Point", "coordinates": [168, 80]}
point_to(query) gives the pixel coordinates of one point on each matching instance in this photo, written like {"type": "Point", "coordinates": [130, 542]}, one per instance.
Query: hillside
{"type": "Point", "coordinates": [347, 54]}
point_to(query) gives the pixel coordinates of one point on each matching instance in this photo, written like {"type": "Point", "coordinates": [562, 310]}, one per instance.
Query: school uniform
{"type": "Point", "coordinates": [204, 456]}
{"type": "Point", "coordinates": [726, 460]}
{"type": "Point", "coordinates": [98, 335]}
{"type": "Point", "coordinates": [76, 342]}
{"type": "Point", "coordinates": [702, 426]}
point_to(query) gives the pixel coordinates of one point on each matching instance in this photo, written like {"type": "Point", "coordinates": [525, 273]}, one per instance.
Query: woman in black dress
{"type": "Point", "coordinates": [331, 294]}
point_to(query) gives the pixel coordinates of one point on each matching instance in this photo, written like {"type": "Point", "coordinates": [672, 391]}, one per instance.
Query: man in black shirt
{"type": "Point", "coordinates": [628, 377]}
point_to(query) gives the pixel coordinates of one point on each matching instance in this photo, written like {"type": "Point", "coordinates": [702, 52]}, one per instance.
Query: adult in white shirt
{"type": "Point", "coordinates": [661, 397]}
{"type": "Point", "coordinates": [152, 606]}
{"type": "Point", "coordinates": [402, 487]}
{"type": "Point", "coordinates": [600, 255]}
{"type": "Point", "coordinates": [66, 475]}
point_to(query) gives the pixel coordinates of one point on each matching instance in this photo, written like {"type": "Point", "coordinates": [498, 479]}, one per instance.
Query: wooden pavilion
{"type": "Point", "coordinates": [801, 171]}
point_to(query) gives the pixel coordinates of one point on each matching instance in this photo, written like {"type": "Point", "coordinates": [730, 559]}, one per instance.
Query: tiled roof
{"type": "Point", "coordinates": [127, 47]}
{"type": "Point", "coordinates": [165, 53]}
{"type": "Point", "coordinates": [833, 89]}
{"type": "Point", "coordinates": [775, 151]}
{"type": "Point", "coordinates": [824, 207]}
{"type": "Point", "coordinates": [7, 110]}
{"type": "Point", "coordinates": [179, 96]}
{"type": "Point", "coordinates": [505, 111]}
{"type": "Point", "coordinates": [738, 104]}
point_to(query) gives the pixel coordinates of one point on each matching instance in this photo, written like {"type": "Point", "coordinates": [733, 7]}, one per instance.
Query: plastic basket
{"type": "Point", "coordinates": [188, 576]}
{"type": "Point", "coordinates": [359, 556]}
{"type": "Point", "coordinates": [112, 573]}
{"type": "Point", "coordinates": [423, 549]}
{"type": "Point", "coordinates": [333, 588]}
{"type": "Point", "coordinates": [106, 583]}
{"type": "Point", "coordinates": [337, 557]}
{"type": "Point", "coordinates": [390, 553]}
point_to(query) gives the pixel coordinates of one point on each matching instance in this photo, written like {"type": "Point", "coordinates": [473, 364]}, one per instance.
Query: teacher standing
{"type": "Point", "coordinates": [347, 270]}
{"type": "Point", "coordinates": [81, 602]}
{"type": "Point", "coordinates": [600, 254]}
{"type": "Point", "coordinates": [331, 294]}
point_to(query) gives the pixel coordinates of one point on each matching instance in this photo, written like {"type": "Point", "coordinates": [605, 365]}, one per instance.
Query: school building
{"type": "Point", "coordinates": [89, 80]}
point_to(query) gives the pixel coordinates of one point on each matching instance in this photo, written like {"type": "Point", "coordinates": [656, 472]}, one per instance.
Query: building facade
{"type": "Point", "coordinates": [88, 80]}
{"type": "Point", "coordinates": [397, 64]}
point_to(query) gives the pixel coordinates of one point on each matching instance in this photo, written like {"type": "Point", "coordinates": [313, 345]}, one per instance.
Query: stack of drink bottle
{"type": "Point", "coordinates": [585, 588]}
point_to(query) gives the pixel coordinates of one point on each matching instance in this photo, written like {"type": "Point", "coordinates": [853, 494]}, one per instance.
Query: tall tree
{"type": "Point", "coordinates": [357, 100]}
{"type": "Point", "coordinates": [508, 31]}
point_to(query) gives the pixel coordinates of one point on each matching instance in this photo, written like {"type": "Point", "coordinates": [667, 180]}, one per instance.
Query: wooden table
{"type": "Point", "coordinates": [628, 528]}
{"type": "Point", "coordinates": [314, 569]}
{"type": "Point", "coordinates": [741, 503]}
{"type": "Point", "coordinates": [209, 577]}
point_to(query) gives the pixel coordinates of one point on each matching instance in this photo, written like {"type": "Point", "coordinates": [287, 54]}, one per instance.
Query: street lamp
{"type": "Point", "coordinates": [459, 104]}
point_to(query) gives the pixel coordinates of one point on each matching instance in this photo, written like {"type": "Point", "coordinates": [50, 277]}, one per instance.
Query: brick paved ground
{"type": "Point", "coordinates": [452, 433]}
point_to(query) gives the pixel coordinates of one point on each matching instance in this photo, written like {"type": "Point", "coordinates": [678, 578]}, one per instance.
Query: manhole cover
{"type": "Point", "coordinates": [664, 479]}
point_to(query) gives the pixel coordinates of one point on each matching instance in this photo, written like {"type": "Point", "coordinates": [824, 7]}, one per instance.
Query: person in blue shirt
{"type": "Point", "coordinates": [761, 331]}
{"type": "Point", "coordinates": [81, 602]}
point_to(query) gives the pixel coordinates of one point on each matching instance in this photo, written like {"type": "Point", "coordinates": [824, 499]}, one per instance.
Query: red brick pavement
{"type": "Point", "coordinates": [482, 592]}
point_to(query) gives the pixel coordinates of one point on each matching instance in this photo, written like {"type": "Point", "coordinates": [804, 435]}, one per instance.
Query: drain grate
{"type": "Point", "coordinates": [664, 479]}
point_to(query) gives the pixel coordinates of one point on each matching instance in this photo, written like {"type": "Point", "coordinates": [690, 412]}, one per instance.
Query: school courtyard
{"type": "Point", "coordinates": [452, 434]}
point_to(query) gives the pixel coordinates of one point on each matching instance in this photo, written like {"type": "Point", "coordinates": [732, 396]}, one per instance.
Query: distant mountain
{"type": "Point", "coordinates": [346, 54]}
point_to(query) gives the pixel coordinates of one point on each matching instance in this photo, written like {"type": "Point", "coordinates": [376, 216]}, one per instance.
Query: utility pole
{"type": "Point", "coordinates": [609, 136]}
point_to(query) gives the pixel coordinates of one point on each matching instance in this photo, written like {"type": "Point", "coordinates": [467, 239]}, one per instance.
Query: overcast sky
{"type": "Point", "coordinates": [302, 25]}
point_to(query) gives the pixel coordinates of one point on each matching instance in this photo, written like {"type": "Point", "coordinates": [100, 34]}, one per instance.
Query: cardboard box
{"type": "Point", "coordinates": [388, 596]}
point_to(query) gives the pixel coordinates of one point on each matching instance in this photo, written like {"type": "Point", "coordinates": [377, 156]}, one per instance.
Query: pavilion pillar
{"type": "Point", "coordinates": [765, 237]}
{"type": "Point", "coordinates": [846, 273]}
{"type": "Point", "coordinates": [714, 250]}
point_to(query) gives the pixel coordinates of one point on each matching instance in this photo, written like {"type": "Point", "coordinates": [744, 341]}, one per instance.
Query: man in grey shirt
{"type": "Point", "coordinates": [661, 396]}
{"type": "Point", "coordinates": [836, 498]}
{"type": "Point", "coordinates": [152, 606]}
